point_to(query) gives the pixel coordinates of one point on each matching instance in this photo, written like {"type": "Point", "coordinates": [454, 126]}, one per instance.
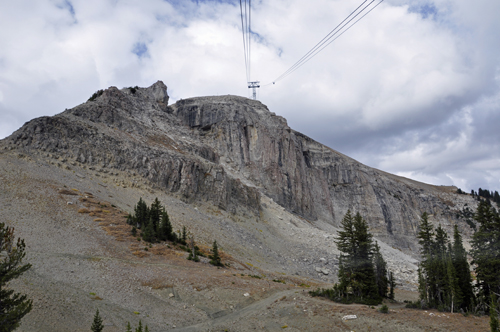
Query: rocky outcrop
{"type": "Point", "coordinates": [230, 150]}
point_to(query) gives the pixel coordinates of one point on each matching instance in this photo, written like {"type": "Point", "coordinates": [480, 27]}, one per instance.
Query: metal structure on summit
{"type": "Point", "coordinates": [354, 17]}
{"type": "Point", "coordinates": [246, 23]}
{"type": "Point", "coordinates": [254, 86]}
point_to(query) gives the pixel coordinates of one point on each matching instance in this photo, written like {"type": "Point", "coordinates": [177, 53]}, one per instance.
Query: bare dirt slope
{"type": "Point", "coordinates": [83, 258]}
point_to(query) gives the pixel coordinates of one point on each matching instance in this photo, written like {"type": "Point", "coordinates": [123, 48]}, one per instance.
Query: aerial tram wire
{"type": "Point", "coordinates": [333, 35]}
{"type": "Point", "coordinates": [246, 28]}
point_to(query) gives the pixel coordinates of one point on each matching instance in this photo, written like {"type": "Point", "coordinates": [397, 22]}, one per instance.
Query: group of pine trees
{"type": "Point", "coordinates": [155, 226]}
{"type": "Point", "coordinates": [154, 223]}
{"type": "Point", "coordinates": [363, 275]}
{"type": "Point", "coordinates": [445, 279]}
{"type": "Point", "coordinates": [98, 326]}
{"type": "Point", "coordinates": [493, 196]}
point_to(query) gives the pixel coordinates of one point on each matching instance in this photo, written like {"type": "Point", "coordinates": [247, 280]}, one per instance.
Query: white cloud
{"type": "Point", "coordinates": [412, 88]}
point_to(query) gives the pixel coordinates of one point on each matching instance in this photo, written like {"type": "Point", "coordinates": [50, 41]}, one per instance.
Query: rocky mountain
{"type": "Point", "coordinates": [227, 169]}
{"type": "Point", "coordinates": [230, 151]}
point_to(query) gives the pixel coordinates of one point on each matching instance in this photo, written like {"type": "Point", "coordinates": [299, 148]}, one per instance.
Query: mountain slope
{"type": "Point", "coordinates": [229, 150]}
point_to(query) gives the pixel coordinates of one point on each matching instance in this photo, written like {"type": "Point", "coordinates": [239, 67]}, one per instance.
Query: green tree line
{"type": "Point", "coordinates": [445, 276]}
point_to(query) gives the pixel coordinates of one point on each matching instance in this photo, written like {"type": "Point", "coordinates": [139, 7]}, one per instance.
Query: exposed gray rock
{"type": "Point", "coordinates": [231, 150]}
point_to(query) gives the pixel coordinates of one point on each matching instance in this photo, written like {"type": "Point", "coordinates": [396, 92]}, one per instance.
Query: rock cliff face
{"type": "Point", "coordinates": [231, 150]}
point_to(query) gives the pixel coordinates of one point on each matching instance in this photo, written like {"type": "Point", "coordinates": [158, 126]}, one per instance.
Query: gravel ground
{"type": "Point", "coordinates": [80, 264]}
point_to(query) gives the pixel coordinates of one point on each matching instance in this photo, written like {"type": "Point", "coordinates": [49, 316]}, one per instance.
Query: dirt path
{"type": "Point", "coordinates": [246, 312]}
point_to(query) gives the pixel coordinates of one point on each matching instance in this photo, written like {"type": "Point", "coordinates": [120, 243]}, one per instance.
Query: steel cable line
{"type": "Point", "coordinates": [322, 41]}
{"type": "Point", "coordinates": [331, 41]}
{"type": "Point", "coordinates": [249, 35]}
{"type": "Point", "coordinates": [328, 39]}
{"type": "Point", "coordinates": [246, 32]}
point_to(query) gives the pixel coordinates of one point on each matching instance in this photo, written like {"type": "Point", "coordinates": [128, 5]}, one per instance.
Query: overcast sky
{"type": "Point", "coordinates": [412, 89]}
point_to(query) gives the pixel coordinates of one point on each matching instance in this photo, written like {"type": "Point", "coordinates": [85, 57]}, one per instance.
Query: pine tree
{"type": "Point", "coordinates": [13, 306]}
{"type": "Point", "coordinates": [129, 328]}
{"type": "Point", "coordinates": [365, 273]}
{"type": "Point", "coordinates": [380, 271]}
{"type": "Point", "coordinates": [166, 232]}
{"type": "Point", "coordinates": [184, 235]}
{"type": "Point", "coordinates": [454, 292]}
{"type": "Point", "coordinates": [423, 287]}
{"type": "Point", "coordinates": [462, 269]}
{"type": "Point", "coordinates": [155, 214]}
{"type": "Point", "coordinates": [139, 328]}
{"type": "Point", "coordinates": [356, 245]}
{"type": "Point", "coordinates": [130, 220]}
{"type": "Point", "coordinates": [141, 213]}
{"type": "Point", "coordinates": [426, 282]}
{"type": "Point", "coordinates": [439, 270]}
{"type": "Point", "coordinates": [425, 236]}
{"type": "Point", "coordinates": [193, 255]}
{"type": "Point", "coordinates": [494, 326]}
{"type": "Point", "coordinates": [97, 325]}
{"type": "Point", "coordinates": [392, 285]}
{"type": "Point", "coordinates": [148, 233]}
{"type": "Point", "coordinates": [215, 258]}
{"type": "Point", "coordinates": [486, 250]}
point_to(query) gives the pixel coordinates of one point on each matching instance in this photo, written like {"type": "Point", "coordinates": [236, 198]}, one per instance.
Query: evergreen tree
{"type": "Point", "coordinates": [148, 234]}
{"type": "Point", "coordinates": [439, 270]}
{"type": "Point", "coordinates": [425, 236]}
{"type": "Point", "coordinates": [97, 325]}
{"type": "Point", "coordinates": [130, 220]}
{"type": "Point", "coordinates": [392, 285]}
{"type": "Point", "coordinates": [155, 214]}
{"type": "Point", "coordinates": [184, 235]}
{"type": "Point", "coordinates": [166, 232]}
{"type": "Point", "coordinates": [454, 293]}
{"type": "Point", "coordinates": [423, 287]}
{"type": "Point", "coordinates": [462, 269]}
{"type": "Point", "coordinates": [129, 328]}
{"type": "Point", "coordinates": [494, 326]}
{"type": "Point", "coordinates": [486, 250]}
{"type": "Point", "coordinates": [358, 275]}
{"type": "Point", "coordinates": [141, 213]}
{"type": "Point", "coordinates": [215, 258]}
{"type": "Point", "coordinates": [139, 328]}
{"type": "Point", "coordinates": [193, 255]}
{"type": "Point", "coordinates": [427, 283]}
{"type": "Point", "coordinates": [13, 306]}
{"type": "Point", "coordinates": [380, 271]}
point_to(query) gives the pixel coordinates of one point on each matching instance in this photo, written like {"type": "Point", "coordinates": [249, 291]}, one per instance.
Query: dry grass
{"type": "Point", "coordinates": [67, 192]}
{"type": "Point", "coordinates": [83, 210]}
{"type": "Point", "coordinates": [140, 253]}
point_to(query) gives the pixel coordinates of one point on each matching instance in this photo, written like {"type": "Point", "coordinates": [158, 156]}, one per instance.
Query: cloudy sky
{"type": "Point", "coordinates": [412, 89]}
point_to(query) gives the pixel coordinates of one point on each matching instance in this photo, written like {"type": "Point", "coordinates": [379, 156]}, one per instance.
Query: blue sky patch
{"type": "Point", "coordinates": [140, 49]}
{"type": "Point", "coordinates": [426, 10]}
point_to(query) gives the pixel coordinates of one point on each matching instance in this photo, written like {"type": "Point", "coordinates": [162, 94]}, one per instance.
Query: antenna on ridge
{"type": "Point", "coordinates": [254, 86]}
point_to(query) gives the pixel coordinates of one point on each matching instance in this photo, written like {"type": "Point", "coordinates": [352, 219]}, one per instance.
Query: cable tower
{"type": "Point", "coordinates": [254, 86]}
